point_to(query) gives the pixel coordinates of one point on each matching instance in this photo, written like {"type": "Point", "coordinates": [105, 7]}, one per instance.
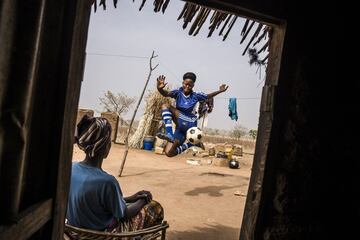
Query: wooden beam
{"type": "Point", "coordinates": [30, 221]}
{"type": "Point", "coordinates": [243, 8]}
{"type": "Point", "coordinates": [254, 198]}
{"type": "Point", "coordinates": [7, 29]}
{"type": "Point", "coordinates": [16, 111]}
{"type": "Point", "coordinates": [76, 63]}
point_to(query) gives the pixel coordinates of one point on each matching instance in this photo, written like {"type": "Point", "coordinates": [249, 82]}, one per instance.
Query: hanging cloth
{"type": "Point", "coordinates": [203, 110]}
{"type": "Point", "coordinates": [233, 109]}
{"type": "Point", "coordinates": [203, 121]}
{"type": "Point", "coordinates": [204, 107]}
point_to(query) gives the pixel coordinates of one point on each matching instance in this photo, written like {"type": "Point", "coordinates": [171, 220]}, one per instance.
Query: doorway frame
{"type": "Point", "coordinates": [267, 104]}
{"type": "Point", "coordinates": [70, 25]}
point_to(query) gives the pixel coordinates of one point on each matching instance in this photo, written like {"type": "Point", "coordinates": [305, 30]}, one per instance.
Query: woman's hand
{"type": "Point", "coordinates": [161, 82]}
{"type": "Point", "coordinates": [145, 195]}
{"type": "Point", "coordinates": [223, 88]}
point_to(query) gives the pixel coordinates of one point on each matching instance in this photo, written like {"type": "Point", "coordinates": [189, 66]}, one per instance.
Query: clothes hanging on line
{"type": "Point", "coordinates": [205, 107]}
{"type": "Point", "coordinates": [233, 109]}
{"type": "Point", "coordinates": [203, 121]}
{"type": "Point", "coordinates": [203, 110]}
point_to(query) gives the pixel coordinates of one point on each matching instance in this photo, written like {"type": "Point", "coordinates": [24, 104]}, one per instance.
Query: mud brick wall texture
{"type": "Point", "coordinates": [114, 121]}
{"type": "Point", "coordinates": [82, 112]}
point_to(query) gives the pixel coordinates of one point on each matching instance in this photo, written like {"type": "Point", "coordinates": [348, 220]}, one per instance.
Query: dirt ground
{"type": "Point", "coordinates": [199, 201]}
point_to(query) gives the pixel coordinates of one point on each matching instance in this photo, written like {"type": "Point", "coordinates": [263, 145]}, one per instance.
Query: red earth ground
{"type": "Point", "coordinates": [199, 201]}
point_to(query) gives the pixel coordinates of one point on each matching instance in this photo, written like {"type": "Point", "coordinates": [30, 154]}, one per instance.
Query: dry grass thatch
{"type": "Point", "coordinates": [218, 20]}
{"type": "Point", "coordinates": [149, 122]}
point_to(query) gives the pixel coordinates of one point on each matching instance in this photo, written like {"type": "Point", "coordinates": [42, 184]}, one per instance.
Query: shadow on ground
{"type": "Point", "coordinates": [210, 232]}
{"type": "Point", "coordinates": [216, 174]}
{"type": "Point", "coordinates": [212, 191]}
{"type": "Point", "coordinates": [151, 171]}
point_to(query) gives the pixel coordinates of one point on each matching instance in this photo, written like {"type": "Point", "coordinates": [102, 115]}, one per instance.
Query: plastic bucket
{"type": "Point", "coordinates": [149, 143]}
{"type": "Point", "coordinates": [229, 151]}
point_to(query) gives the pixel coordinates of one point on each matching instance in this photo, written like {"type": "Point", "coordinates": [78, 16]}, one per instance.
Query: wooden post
{"type": "Point", "coordinates": [16, 104]}
{"type": "Point", "coordinates": [133, 117]}
{"type": "Point", "coordinates": [255, 190]}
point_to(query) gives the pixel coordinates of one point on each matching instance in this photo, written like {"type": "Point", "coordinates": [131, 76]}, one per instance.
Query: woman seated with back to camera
{"type": "Point", "coordinates": [95, 199]}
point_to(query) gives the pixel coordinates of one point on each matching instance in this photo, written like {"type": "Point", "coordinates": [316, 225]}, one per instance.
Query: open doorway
{"type": "Point", "coordinates": [56, 59]}
{"type": "Point", "coordinates": [224, 182]}
{"type": "Point", "coordinates": [44, 51]}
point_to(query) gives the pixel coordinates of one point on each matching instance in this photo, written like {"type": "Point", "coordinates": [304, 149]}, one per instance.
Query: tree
{"type": "Point", "coordinates": [238, 131]}
{"type": "Point", "coordinates": [253, 133]}
{"type": "Point", "coordinates": [119, 103]}
{"type": "Point", "coordinates": [211, 131]}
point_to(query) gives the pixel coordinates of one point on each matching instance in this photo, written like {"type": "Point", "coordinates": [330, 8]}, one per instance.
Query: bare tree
{"type": "Point", "coordinates": [119, 103]}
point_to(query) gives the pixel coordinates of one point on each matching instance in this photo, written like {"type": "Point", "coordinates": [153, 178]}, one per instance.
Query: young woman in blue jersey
{"type": "Point", "coordinates": [183, 114]}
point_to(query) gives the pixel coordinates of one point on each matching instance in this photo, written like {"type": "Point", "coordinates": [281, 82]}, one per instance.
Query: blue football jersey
{"type": "Point", "coordinates": [186, 104]}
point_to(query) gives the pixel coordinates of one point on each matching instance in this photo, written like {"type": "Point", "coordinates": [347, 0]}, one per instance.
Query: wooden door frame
{"type": "Point", "coordinates": [47, 216]}
{"type": "Point", "coordinates": [59, 65]}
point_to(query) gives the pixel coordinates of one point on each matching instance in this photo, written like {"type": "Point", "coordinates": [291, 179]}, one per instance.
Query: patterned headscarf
{"type": "Point", "coordinates": [92, 134]}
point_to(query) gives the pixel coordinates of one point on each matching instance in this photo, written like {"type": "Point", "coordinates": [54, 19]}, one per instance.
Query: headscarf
{"type": "Point", "coordinates": [92, 134]}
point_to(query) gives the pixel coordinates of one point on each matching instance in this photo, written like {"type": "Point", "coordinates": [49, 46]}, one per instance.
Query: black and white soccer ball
{"type": "Point", "coordinates": [194, 135]}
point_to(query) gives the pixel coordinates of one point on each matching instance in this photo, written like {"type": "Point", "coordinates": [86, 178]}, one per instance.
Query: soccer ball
{"type": "Point", "coordinates": [194, 135]}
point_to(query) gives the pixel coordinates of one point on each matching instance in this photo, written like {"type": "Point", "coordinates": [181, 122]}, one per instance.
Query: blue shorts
{"type": "Point", "coordinates": [184, 122]}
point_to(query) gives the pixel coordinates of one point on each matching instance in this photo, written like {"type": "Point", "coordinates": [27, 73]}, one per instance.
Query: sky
{"type": "Point", "coordinates": [134, 34]}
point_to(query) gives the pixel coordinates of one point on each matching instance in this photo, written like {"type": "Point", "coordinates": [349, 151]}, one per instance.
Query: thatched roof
{"type": "Point", "coordinates": [218, 20]}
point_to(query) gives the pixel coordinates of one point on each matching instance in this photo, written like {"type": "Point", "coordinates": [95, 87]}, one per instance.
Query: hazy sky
{"type": "Point", "coordinates": [126, 31]}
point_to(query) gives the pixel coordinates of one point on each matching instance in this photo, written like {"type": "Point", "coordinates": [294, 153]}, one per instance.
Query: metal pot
{"type": "Point", "coordinates": [233, 164]}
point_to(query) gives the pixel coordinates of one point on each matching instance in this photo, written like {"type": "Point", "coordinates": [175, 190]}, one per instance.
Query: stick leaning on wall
{"type": "Point", "coordinates": [135, 111]}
